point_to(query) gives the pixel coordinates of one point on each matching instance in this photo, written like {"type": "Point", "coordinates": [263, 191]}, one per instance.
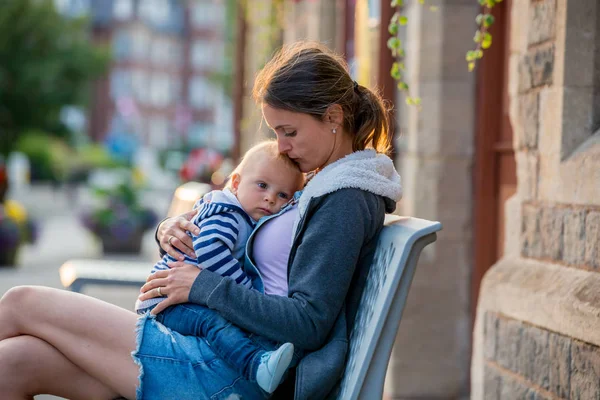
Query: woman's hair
{"type": "Point", "coordinates": [265, 149]}
{"type": "Point", "coordinates": [307, 78]}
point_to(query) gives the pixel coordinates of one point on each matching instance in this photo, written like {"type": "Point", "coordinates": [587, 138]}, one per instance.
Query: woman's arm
{"type": "Point", "coordinates": [319, 277]}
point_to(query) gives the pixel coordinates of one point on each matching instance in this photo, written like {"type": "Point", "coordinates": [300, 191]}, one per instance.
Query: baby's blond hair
{"type": "Point", "coordinates": [266, 148]}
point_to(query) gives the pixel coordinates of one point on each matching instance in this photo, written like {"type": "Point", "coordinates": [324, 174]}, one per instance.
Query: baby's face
{"type": "Point", "coordinates": [266, 185]}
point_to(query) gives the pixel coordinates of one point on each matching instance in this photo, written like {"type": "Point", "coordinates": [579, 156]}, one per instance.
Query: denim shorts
{"type": "Point", "coordinates": [178, 367]}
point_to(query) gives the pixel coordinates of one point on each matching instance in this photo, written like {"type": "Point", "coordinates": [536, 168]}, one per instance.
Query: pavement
{"type": "Point", "coordinates": [62, 238]}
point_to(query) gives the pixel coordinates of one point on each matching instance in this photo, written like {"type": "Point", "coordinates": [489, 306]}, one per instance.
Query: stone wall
{"type": "Point", "coordinates": [523, 361]}
{"type": "Point", "coordinates": [537, 330]}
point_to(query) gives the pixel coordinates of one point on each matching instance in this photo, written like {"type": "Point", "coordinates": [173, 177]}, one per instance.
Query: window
{"type": "Point", "coordinates": [140, 44]}
{"type": "Point", "coordinates": [123, 9]}
{"type": "Point", "coordinates": [160, 90]}
{"type": "Point", "coordinates": [202, 55]}
{"type": "Point", "coordinates": [206, 14]}
{"type": "Point", "coordinates": [158, 132]}
{"type": "Point", "coordinates": [155, 11]}
{"type": "Point", "coordinates": [199, 92]}
{"type": "Point", "coordinates": [199, 134]}
{"type": "Point", "coordinates": [121, 45]}
{"type": "Point", "coordinates": [120, 83]}
{"type": "Point", "coordinates": [139, 85]}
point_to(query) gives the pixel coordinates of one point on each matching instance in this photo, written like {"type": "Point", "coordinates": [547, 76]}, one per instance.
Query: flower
{"type": "Point", "coordinates": [15, 211]}
{"type": "Point", "coordinates": [15, 226]}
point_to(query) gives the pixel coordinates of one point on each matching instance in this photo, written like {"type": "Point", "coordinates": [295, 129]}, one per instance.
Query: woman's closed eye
{"type": "Point", "coordinates": [290, 134]}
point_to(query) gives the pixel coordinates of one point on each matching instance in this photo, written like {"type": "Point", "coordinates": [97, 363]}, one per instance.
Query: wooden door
{"type": "Point", "coordinates": [495, 170]}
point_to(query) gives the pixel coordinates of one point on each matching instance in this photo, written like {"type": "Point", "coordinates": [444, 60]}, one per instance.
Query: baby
{"type": "Point", "coordinates": [260, 186]}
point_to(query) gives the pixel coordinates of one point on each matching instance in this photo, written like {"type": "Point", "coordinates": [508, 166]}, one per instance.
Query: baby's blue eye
{"type": "Point", "coordinates": [262, 185]}
{"type": "Point", "coordinates": [284, 195]}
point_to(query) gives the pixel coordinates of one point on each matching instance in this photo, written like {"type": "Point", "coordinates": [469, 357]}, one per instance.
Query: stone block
{"type": "Point", "coordinates": [592, 239]}
{"type": "Point", "coordinates": [527, 174]}
{"type": "Point", "coordinates": [529, 115]}
{"type": "Point", "coordinates": [542, 21]}
{"type": "Point", "coordinates": [489, 335]}
{"type": "Point", "coordinates": [533, 359]}
{"type": "Point", "coordinates": [509, 343]}
{"type": "Point", "coordinates": [492, 381]}
{"type": "Point", "coordinates": [551, 232]}
{"type": "Point", "coordinates": [559, 349]}
{"type": "Point", "coordinates": [531, 243]}
{"type": "Point", "coordinates": [585, 371]}
{"type": "Point", "coordinates": [512, 389]}
{"type": "Point", "coordinates": [537, 67]}
{"type": "Point", "coordinates": [574, 237]}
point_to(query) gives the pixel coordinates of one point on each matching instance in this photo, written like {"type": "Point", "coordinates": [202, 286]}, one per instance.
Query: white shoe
{"type": "Point", "coordinates": [273, 365]}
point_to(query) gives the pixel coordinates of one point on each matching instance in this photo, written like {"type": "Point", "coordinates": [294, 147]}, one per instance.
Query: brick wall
{"type": "Point", "coordinates": [525, 362]}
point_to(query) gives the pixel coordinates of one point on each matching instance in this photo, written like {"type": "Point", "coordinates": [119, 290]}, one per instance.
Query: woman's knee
{"type": "Point", "coordinates": [16, 302]}
{"type": "Point", "coordinates": [18, 296]}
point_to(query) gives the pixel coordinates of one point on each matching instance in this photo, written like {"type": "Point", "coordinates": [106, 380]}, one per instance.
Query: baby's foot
{"type": "Point", "coordinates": [273, 365]}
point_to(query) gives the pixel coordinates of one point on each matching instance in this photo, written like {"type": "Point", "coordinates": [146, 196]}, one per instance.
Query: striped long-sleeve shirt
{"type": "Point", "coordinates": [219, 247]}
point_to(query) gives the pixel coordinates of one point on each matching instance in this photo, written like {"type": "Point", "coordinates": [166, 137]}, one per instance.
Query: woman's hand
{"type": "Point", "coordinates": [175, 284]}
{"type": "Point", "coordinates": [172, 235]}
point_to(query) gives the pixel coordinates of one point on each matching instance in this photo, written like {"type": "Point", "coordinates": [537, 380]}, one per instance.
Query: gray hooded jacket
{"type": "Point", "coordinates": [341, 213]}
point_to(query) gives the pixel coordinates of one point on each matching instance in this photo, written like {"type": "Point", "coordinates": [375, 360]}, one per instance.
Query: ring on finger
{"type": "Point", "coordinates": [170, 238]}
{"type": "Point", "coordinates": [158, 291]}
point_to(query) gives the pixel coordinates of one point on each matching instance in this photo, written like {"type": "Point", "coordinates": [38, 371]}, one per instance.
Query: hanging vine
{"type": "Point", "coordinates": [482, 38]}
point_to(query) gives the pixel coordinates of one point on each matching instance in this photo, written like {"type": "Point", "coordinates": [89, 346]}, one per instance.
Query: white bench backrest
{"type": "Point", "coordinates": [381, 306]}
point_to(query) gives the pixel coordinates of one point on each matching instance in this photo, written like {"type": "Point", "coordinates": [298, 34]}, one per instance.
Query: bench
{"type": "Point", "coordinates": [381, 305]}
{"type": "Point", "coordinates": [383, 300]}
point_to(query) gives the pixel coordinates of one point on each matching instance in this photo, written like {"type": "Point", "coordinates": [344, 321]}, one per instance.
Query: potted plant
{"type": "Point", "coordinates": [16, 229]}
{"type": "Point", "coordinates": [120, 221]}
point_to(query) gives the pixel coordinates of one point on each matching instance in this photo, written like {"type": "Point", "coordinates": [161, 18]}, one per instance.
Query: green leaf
{"type": "Point", "coordinates": [477, 37]}
{"type": "Point", "coordinates": [394, 43]}
{"type": "Point", "coordinates": [482, 2]}
{"type": "Point", "coordinates": [395, 71]}
{"type": "Point", "coordinates": [488, 20]}
{"type": "Point", "coordinates": [397, 3]}
{"type": "Point", "coordinates": [393, 28]}
{"type": "Point", "coordinates": [403, 20]}
{"type": "Point", "coordinates": [479, 19]}
{"type": "Point", "coordinates": [403, 86]}
{"type": "Point", "coordinates": [487, 40]}
{"type": "Point", "coordinates": [471, 66]}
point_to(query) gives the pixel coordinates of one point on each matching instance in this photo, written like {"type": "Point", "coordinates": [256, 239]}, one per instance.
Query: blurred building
{"type": "Point", "coordinates": [164, 87]}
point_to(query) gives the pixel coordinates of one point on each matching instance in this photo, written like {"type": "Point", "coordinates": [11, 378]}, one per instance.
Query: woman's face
{"type": "Point", "coordinates": [306, 140]}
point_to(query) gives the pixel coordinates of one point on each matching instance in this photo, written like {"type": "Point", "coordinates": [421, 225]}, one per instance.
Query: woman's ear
{"type": "Point", "coordinates": [334, 115]}
{"type": "Point", "coordinates": [235, 182]}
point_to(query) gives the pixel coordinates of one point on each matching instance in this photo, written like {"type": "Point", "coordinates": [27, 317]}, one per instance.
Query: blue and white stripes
{"type": "Point", "coordinates": [219, 247]}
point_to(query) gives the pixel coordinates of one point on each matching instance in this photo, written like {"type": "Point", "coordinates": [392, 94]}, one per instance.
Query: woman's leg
{"type": "Point", "coordinates": [30, 366]}
{"type": "Point", "coordinates": [96, 336]}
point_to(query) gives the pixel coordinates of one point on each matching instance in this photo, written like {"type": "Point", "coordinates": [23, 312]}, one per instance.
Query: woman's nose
{"type": "Point", "coordinates": [284, 146]}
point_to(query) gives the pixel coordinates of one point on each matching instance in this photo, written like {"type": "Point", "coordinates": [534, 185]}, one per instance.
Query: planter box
{"type": "Point", "coordinates": [128, 245]}
{"type": "Point", "coordinates": [9, 258]}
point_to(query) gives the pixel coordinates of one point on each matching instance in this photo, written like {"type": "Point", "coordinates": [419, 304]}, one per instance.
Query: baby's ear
{"type": "Point", "coordinates": [235, 182]}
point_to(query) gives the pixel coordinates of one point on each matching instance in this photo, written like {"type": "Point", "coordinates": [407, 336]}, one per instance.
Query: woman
{"type": "Point", "coordinates": [75, 346]}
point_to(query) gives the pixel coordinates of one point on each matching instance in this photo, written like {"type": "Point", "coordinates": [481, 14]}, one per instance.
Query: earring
{"type": "Point", "coordinates": [334, 131]}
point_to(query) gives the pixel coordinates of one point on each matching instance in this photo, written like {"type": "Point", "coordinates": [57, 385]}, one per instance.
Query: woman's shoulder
{"type": "Point", "coordinates": [359, 197]}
